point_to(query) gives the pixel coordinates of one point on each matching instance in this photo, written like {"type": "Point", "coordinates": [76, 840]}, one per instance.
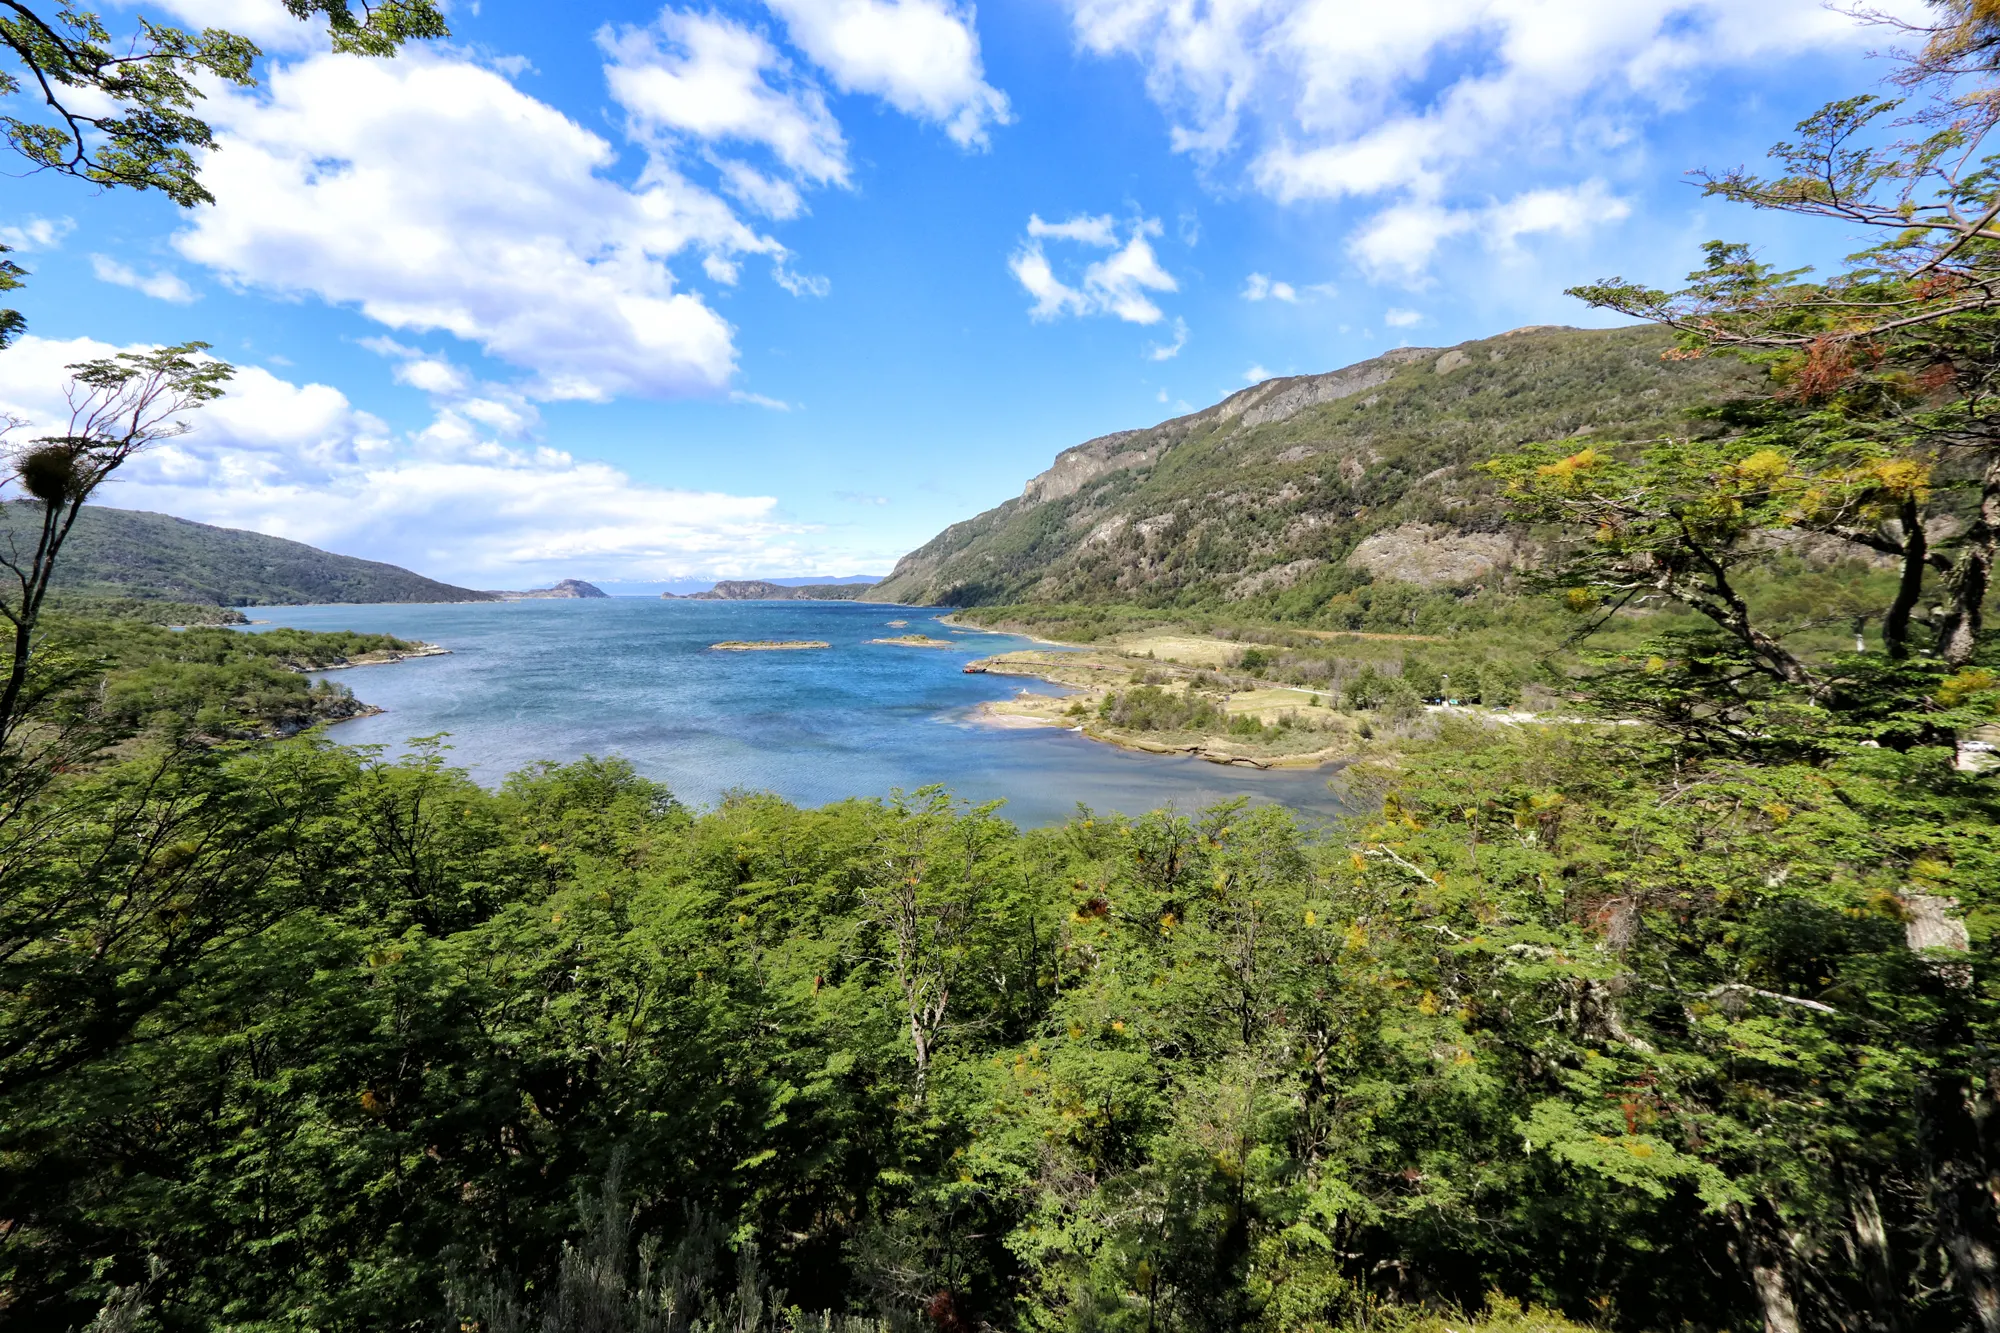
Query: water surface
{"type": "Point", "coordinates": [635, 677]}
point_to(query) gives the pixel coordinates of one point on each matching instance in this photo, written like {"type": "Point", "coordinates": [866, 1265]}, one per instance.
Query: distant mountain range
{"type": "Point", "coordinates": [764, 590]}
{"type": "Point", "coordinates": [1314, 482]}
{"type": "Point", "coordinates": [129, 553]}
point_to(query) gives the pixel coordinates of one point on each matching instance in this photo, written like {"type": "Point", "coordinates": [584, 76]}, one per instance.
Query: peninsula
{"type": "Point", "coordinates": [1286, 699]}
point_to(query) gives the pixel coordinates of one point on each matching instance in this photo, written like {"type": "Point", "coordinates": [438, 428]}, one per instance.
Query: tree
{"type": "Point", "coordinates": [146, 134]}
{"type": "Point", "coordinates": [927, 886]}
{"type": "Point", "coordinates": [119, 406]}
{"type": "Point", "coordinates": [1904, 337]}
{"type": "Point", "coordinates": [121, 115]}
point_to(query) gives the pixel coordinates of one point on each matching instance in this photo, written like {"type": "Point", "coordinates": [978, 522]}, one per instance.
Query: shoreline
{"type": "Point", "coordinates": [957, 624]}
{"type": "Point", "coordinates": [1287, 720]}
{"type": "Point", "coordinates": [384, 658]}
{"type": "Point", "coordinates": [991, 714]}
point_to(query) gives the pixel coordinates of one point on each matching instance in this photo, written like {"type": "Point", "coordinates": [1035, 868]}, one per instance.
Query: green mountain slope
{"type": "Point", "coordinates": [761, 590]}
{"type": "Point", "coordinates": [1362, 474]}
{"type": "Point", "coordinates": [131, 553]}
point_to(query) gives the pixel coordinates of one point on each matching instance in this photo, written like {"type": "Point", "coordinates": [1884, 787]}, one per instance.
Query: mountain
{"type": "Point", "coordinates": [566, 588]}
{"type": "Point", "coordinates": [1364, 473]}
{"type": "Point", "coordinates": [128, 553]}
{"type": "Point", "coordinates": [763, 590]}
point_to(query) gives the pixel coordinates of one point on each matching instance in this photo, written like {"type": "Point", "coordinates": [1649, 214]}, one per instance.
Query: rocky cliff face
{"type": "Point", "coordinates": [1368, 472]}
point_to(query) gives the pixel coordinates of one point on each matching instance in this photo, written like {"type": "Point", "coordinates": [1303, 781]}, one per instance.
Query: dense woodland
{"type": "Point", "coordinates": [1620, 1022]}
{"type": "Point", "coordinates": [1674, 1010]}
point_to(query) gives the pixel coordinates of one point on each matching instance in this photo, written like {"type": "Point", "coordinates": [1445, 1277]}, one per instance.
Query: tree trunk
{"type": "Point", "coordinates": [1965, 1216]}
{"type": "Point", "coordinates": [34, 585]}
{"type": "Point", "coordinates": [1960, 1129]}
{"type": "Point", "coordinates": [1762, 1251]}
{"type": "Point", "coordinates": [1916, 552]}
{"type": "Point", "coordinates": [1972, 575]}
{"type": "Point", "coordinates": [1871, 1254]}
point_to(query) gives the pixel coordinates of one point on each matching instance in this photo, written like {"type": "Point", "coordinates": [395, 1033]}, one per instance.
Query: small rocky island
{"type": "Point", "coordinates": [918, 641]}
{"type": "Point", "coordinates": [767, 645]}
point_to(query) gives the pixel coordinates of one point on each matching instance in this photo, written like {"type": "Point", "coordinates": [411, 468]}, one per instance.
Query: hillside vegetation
{"type": "Point", "coordinates": [1299, 491]}
{"type": "Point", "coordinates": [207, 685]}
{"type": "Point", "coordinates": [128, 553]}
{"type": "Point", "coordinates": [762, 590]}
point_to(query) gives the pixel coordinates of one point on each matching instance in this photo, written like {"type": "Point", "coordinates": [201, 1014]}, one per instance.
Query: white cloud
{"type": "Point", "coordinates": [432, 375]}
{"type": "Point", "coordinates": [1256, 375]}
{"type": "Point", "coordinates": [1400, 241]}
{"type": "Point", "coordinates": [455, 394]}
{"type": "Point", "coordinates": [1401, 319]}
{"type": "Point", "coordinates": [1115, 285]}
{"type": "Point", "coordinates": [704, 78]}
{"type": "Point", "coordinates": [1258, 287]}
{"type": "Point", "coordinates": [1168, 351]}
{"type": "Point", "coordinates": [919, 56]}
{"type": "Point", "coordinates": [1031, 268]}
{"type": "Point", "coordinates": [1099, 231]}
{"type": "Point", "coordinates": [799, 284]}
{"type": "Point", "coordinates": [433, 195]}
{"type": "Point", "coordinates": [1419, 105]}
{"type": "Point", "coordinates": [160, 284]}
{"type": "Point", "coordinates": [300, 461]}
{"type": "Point", "coordinates": [759, 400]}
{"type": "Point", "coordinates": [772, 197]}
{"type": "Point", "coordinates": [36, 233]}
{"type": "Point", "coordinates": [265, 22]}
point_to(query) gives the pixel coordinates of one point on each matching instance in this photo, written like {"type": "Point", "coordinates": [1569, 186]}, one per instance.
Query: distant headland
{"type": "Point", "coordinates": [762, 590]}
{"type": "Point", "coordinates": [566, 588]}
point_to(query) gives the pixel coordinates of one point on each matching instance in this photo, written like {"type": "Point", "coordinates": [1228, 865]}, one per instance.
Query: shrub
{"type": "Point", "coordinates": [1150, 708]}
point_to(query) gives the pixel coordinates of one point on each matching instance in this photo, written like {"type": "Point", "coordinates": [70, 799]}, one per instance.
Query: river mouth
{"type": "Point", "coordinates": [636, 678]}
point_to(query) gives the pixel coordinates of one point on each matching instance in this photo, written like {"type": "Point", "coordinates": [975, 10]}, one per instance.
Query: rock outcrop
{"type": "Point", "coordinates": [1431, 555]}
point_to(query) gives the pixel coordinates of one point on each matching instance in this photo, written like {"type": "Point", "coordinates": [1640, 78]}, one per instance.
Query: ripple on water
{"type": "Point", "coordinates": [635, 677]}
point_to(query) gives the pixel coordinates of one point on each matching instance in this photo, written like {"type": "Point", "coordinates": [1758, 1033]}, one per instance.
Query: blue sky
{"type": "Point", "coordinates": [651, 296]}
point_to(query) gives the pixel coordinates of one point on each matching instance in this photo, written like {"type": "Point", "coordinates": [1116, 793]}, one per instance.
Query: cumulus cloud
{"type": "Point", "coordinates": [1400, 241]}
{"type": "Point", "coordinates": [919, 56]}
{"type": "Point", "coordinates": [1401, 319]}
{"type": "Point", "coordinates": [433, 195]}
{"type": "Point", "coordinates": [700, 78]}
{"type": "Point", "coordinates": [1256, 375]}
{"type": "Point", "coordinates": [36, 233]}
{"type": "Point", "coordinates": [1114, 285]}
{"type": "Point", "coordinates": [300, 461]}
{"type": "Point", "coordinates": [1258, 287]}
{"type": "Point", "coordinates": [160, 284]}
{"type": "Point", "coordinates": [265, 22]}
{"type": "Point", "coordinates": [1415, 105]}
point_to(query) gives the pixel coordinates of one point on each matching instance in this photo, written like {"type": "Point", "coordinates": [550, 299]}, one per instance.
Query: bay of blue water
{"type": "Point", "coordinates": [635, 677]}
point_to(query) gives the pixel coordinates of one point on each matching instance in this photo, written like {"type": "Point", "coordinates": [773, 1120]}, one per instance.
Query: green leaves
{"type": "Point", "coordinates": [147, 136]}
